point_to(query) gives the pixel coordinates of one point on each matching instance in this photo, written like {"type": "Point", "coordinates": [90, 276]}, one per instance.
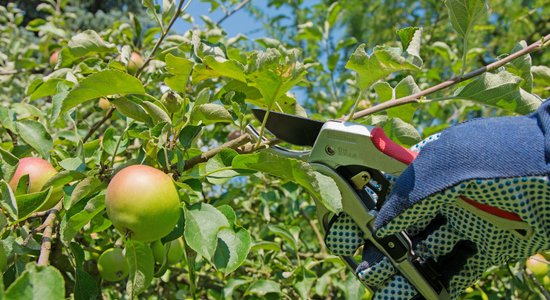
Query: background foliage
{"type": "Point", "coordinates": [247, 233]}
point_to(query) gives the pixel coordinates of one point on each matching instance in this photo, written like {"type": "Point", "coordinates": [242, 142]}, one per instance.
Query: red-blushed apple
{"type": "Point", "coordinates": [143, 203]}
{"type": "Point", "coordinates": [538, 265]}
{"type": "Point", "coordinates": [112, 265]}
{"type": "Point", "coordinates": [103, 103]}
{"type": "Point", "coordinates": [135, 62]}
{"type": "Point", "coordinates": [175, 253]}
{"type": "Point", "coordinates": [39, 171]}
{"type": "Point", "coordinates": [54, 57]}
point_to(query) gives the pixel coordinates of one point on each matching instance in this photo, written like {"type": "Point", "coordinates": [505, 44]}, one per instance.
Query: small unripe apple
{"type": "Point", "coordinates": [103, 103]}
{"type": "Point", "coordinates": [546, 282]}
{"type": "Point", "coordinates": [112, 265]}
{"type": "Point", "coordinates": [54, 57]}
{"type": "Point", "coordinates": [135, 62]}
{"type": "Point", "coordinates": [538, 265]}
{"type": "Point", "coordinates": [143, 203]}
{"type": "Point", "coordinates": [39, 171]}
{"type": "Point", "coordinates": [171, 101]}
{"type": "Point", "coordinates": [175, 253]}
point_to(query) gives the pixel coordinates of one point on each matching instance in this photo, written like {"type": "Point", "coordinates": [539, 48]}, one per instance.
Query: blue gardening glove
{"type": "Point", "coordinates": [476, 197]}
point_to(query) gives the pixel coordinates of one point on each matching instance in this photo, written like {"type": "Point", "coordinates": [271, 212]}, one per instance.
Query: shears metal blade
{"type": "Point", "coordinates": [293, 129]}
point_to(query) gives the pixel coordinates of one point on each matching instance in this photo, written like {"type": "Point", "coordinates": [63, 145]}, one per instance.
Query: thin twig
{"type": "Point", "coordinates": [13, 136]}
{"type": "Point", "coordinates": [240, 144]}
{"type": "Point", "coordinates": [45, 249]}
{"type": "Point", "coordinates": [320, 239]}
{"type": "Point", "coordinates": [229, 14]}
{"type": "Point", "coordinates": [99, 123]}
{"type": "Point", "coordinates": [415, 98]}
{"type": "Point", "coordinates": [162, 36]}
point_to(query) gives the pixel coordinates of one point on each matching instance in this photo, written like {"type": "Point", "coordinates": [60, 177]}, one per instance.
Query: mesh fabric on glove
{"type": "Point", "coordinates": [477, 197]}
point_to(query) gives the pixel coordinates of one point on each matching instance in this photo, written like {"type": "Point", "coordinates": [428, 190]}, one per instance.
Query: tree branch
{"type": "Point", "coordinates": [242, 141]}
{"type": "Point", "coordinates": [237, 8]}
{"type": "Point", "coordinates": [99, 123]}
{"type": "Point", "coordinates": [415, 98]}
{"type": "Point", "coordinates": [162, 36]}
{"type": "Point", "coordinates": [45, 249]}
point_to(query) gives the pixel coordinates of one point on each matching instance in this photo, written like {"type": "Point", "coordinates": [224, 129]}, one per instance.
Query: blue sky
{"type": "Point", "coordinates": [240, 22]}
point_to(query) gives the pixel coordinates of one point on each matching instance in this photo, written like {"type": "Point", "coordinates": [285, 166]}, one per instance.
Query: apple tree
{"type": "Point", "coordinates": [125, 169]}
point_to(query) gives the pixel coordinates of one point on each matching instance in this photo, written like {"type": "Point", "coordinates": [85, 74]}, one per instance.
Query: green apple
{"type": "Point", "coordinates": [112, 265]}
{"type": "Point", "coordinates": [143, 203]}
{"type": "Point", "coordinates": [175, 253]}
{"type": "Point", "coordinates": [538, 265]}
{"type": "Point", "coordinates": [135, 62]}
{"type": "Point", "coordinates": [39, 171]}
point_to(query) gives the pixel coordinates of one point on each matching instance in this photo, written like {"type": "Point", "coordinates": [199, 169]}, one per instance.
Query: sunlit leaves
{"type": "Point", "coordinates": [465, 13]}
{"type": "Point", "coordinates": [37, 282]}
{"type": "Point", "coordinates": [202, 224]}
{"type": "Point", "coordinates": [383, 61]}
{"type": "Point", "coordinates": [320, 186]}
{"type": "Point", "coordinates": [102, 84]}
{"type": "Point", "coordinates": [274, 72]}
{"type": "Point", "coordinates": [84, 44]}
{"type": "Point", "coordinates": [179, 68]}
{"type": "Point", "coordinates": [35, 135]}
{"type": "Point", "coordinates": [141, 261]}
{"type": "Point", "coordinates": [500, 90]}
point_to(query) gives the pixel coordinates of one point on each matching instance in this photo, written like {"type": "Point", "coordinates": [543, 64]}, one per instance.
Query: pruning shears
{"type": "Point", "coordinates": [356, 157]}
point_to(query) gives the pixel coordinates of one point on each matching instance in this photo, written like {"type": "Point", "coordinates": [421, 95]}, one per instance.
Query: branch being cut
{"type": "Point", "coordinates": [45, 249]}
{"type": "Point", "coordinates": [241, 144]}
{"type": "Point", "coordinates": [415, 98]}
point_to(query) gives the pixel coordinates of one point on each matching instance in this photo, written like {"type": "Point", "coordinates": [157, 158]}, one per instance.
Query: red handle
{"type": "Point", "coordinates": [383, 143]}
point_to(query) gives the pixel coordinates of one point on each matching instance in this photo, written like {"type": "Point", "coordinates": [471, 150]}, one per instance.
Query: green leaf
{"type": "Point", "coordinates": [77, 217]}
{"type": "Point", "coordinates": [285, 235]}
{"type": "Point", "coordinates": [225, 67]}
{"type": "Point", "coordinates": [188, 135]}
{"type": "Point", "coordinates": [29, 203]}
{"type": "Point", "coordinates": [85, 286]}
{"type": "Point", "coordinates": [232, 248]}
{"type": "Point", "coordinates": [406, 35]}
{"type": "Point", "coordinates": [211, 113]}
{"type": "Point", "coordinates": [180, 68]}
{"type": "Point", "coordinates": [499, 90]}
{"type": "Point", "coordinates": [274, 73]}
{"type": "Point", "coordinates": [8, 164]}
{"type": "Point", "coordinates": [142, 266]}
{"type": "Point", "coordinates": [521, 67]}
{"type": "Point", "coordinates": [401, 132]}
{"type": "Point", "coordinates": [37, 282]}
{"type": "Point", "coordinates": [405, 87]}
{"type": "Point", "coordinates": [110, 142]}
{"type": "Point", "coordinates": [296, 171]}
{"type": "Point", "coordinates": [131, 109]}
{"type": "Point", "coordinates": [221, 162]}
{"type": "Point", "coordinates": [87, 187]}
{"type": "Point", "coordinates": [102, 84]}
{"type": "Point", "coordinates": [383, 61]}
{"type": "Point", "coordinates": [156, 113]}
{"type": "Point", "coordinates": [35, 135]}
{"type": "Point", "coordinates": [262, 287]}
{"type": "Point", "coordinates": [8, 200]}
{"type": "Point", "coordinates": [465, 13]}
{"type": "Point", "coordinates": [202, 224]}
{"type": "Point", "coordinates": [84, 44]}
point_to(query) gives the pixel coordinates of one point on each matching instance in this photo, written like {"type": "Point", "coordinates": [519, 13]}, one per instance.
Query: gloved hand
{"type": "Point", "coordinates": [476, 197]}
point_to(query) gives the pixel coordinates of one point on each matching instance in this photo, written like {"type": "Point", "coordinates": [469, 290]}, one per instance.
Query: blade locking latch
{"type": "Point", "coordinates": [361, 179]}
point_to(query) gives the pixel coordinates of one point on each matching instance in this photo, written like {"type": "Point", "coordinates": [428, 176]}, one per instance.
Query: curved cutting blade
{"type": "Point", "coordinates": [289, 128]}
